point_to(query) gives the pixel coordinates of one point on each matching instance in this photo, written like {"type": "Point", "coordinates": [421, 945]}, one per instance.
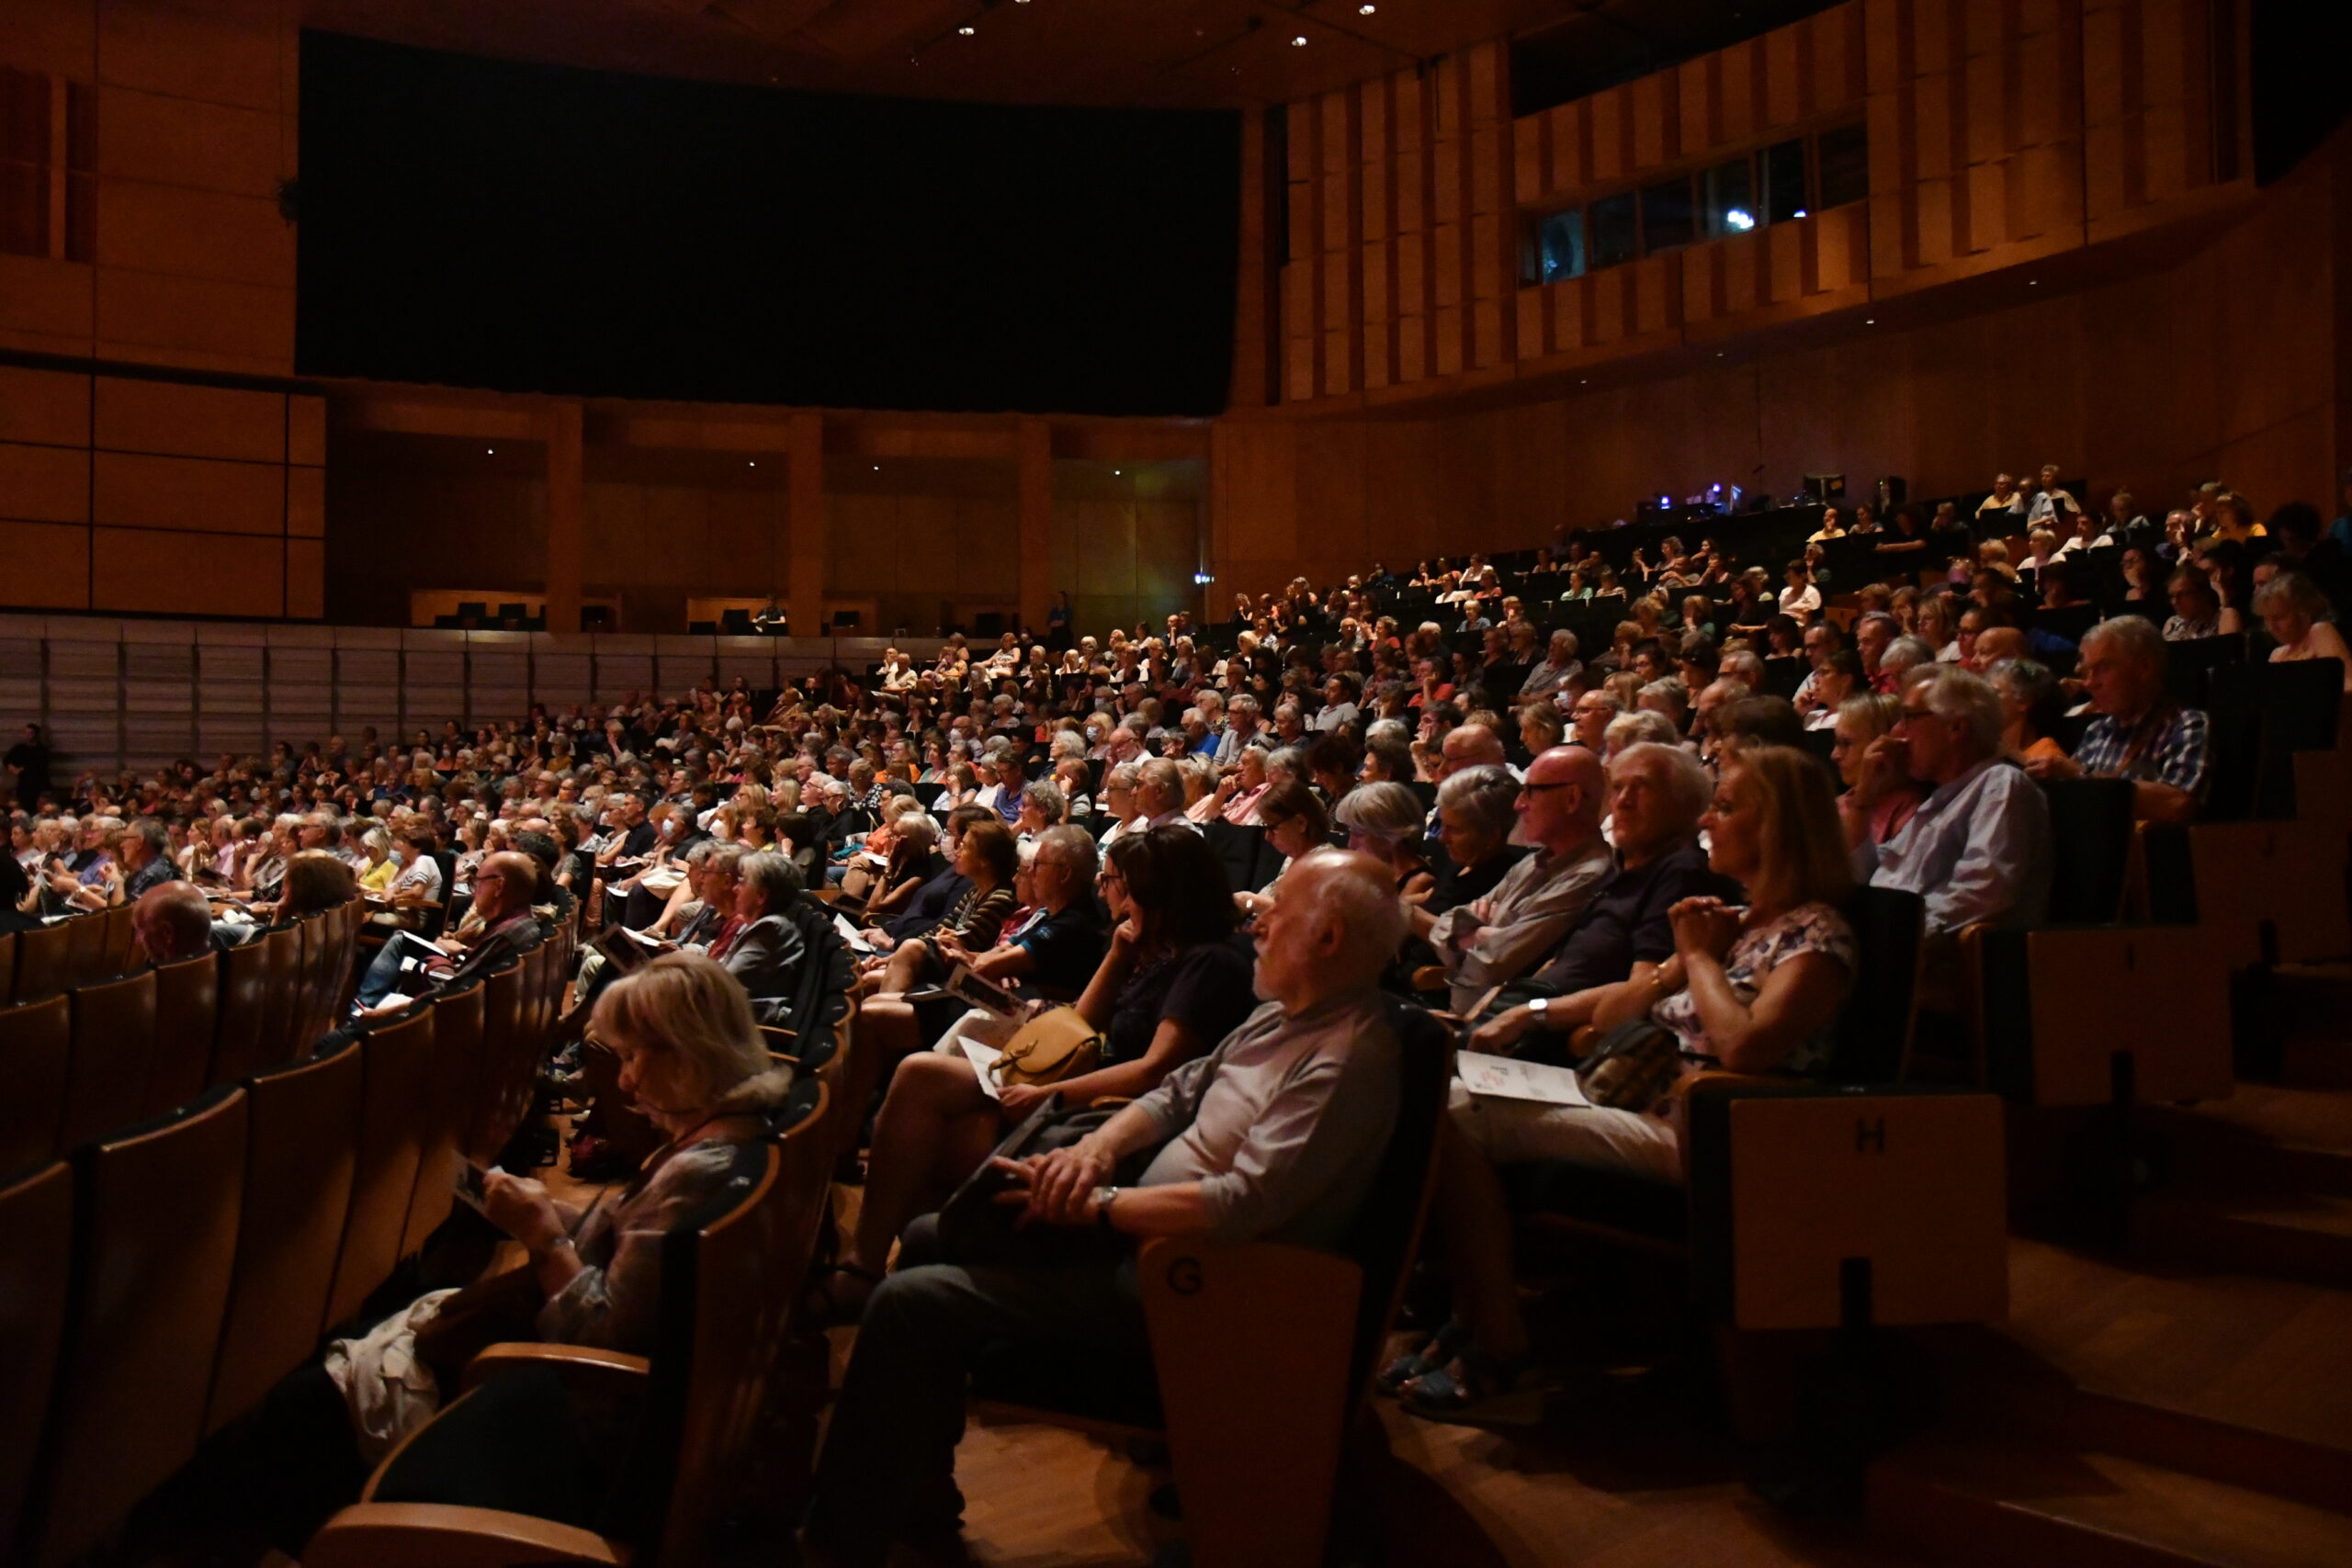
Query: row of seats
{"type": "Point", "coordinates": [164, 1274]}
{"type": "Point", "coordinates": [85, 1047]}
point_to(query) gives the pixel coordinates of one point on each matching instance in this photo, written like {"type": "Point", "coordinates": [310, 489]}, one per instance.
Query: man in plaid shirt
{"type": "Point", "coordinates": [2139, 734]}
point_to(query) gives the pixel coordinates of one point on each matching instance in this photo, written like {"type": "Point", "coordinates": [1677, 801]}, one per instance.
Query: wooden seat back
{"type": "Point", "coordinates": [395, 1106]}
{"type": "Point", "coordinates": [87, 960]}
{"type": "Point", "coordinates": [45, 961]}
{"type": "Point", "coordinates": [187, 1003]}
{"type": "Point", "coordinates": [456, 1053]}
{"type": "Point", "coordinates": [114, 954]}
{"type": "Point", "coordinates": [2262, 892]}
{"type": "Point", "coordinates": [1881, 1014]}
{"type": "Point", "coordinates": [158, 1206]}
{"type": "Point", "coordinates": [36, 1063]}
{"type": "Point", "coordinates": [742, 1268]}
{"type": "Point", "coordinates": [2076, 1016]}
{"type": "Point", "coordinates": [242, 1014]}
{"type": "Point", "coordinates": [282, 995]}
{"type": "Point", "coordinates": [301, 1150]}
{"type": "Point", "coordinates": [1852, 1206]}
{"type": "Point", "coordinates": [36, 1259]}
{"type": "Point", "coordinates": [486, 1132]}
{"type": "Point", "coordinates": [114, 1048]}
{"type": "Point", "coordinates": [7, 967]}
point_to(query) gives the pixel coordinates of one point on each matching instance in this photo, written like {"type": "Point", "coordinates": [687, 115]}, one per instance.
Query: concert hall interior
{"type": "Point", "coordinates": [1240, 783]}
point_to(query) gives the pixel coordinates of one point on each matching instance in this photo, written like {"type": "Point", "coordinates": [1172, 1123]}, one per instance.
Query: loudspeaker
{"type": "Point", "coordinates": [1827, 486]}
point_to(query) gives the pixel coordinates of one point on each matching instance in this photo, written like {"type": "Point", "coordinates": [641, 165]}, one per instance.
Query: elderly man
{"type": "Point", "coordinates": [2139, 734]}
{"type": "Point", "coordinates": [1548, 679]}
{"type": "Point", "coordinates": [1821, 641]}
{"type": "Point", "coordinates": [1242, 731]}
{"type": "Point", "coordinates": [1656, 794]}
{"type": "Point", "coordinates": [408, 967]}
{"type": "Point", "coordinates": [170, 923]}
{"type": "Point", "coordinates": [1977, 849]}
{"type": "Point", "coordinates": [1159, 797]}
{"type": "Point", "coordinates": [1493, 939]}
{"type": "Point", "coordinates": [1275, 1134]}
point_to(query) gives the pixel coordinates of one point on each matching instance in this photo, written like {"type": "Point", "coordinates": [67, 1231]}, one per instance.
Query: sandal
{"type": "Point", "coordinates": [824, 1309]}
{"type": "Point", "coordinates": [1434, 1353]}
{"type": "Point", "coordinates": [1475, 1389]}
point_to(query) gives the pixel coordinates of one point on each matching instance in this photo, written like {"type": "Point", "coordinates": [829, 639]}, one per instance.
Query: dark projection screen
{"type": "Point", "coordinates": [483, 223]}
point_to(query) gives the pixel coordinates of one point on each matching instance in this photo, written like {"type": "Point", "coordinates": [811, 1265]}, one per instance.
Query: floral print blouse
{"type": "Point", "coordinates": [1755, 953]}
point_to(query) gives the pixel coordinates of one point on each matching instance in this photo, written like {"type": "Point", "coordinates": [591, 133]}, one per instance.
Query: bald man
{"type": "Point", "coordinates": [171, 923]}
{"type": "Point", "coordinates": [1493, 939]}
{"type": "Point", "coordinates": [1275, 1134]}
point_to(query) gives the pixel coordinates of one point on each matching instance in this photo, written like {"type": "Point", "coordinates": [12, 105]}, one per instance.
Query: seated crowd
{"type": "Point", "coordinates": [1540, 838]}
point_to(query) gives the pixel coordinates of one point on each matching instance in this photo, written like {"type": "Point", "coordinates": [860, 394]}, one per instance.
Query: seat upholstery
{"type": "Point", "coordinates": [114, 1047]}
{"type": "Point", "coordinates": [243, 1014]}
{"type": "Point", "coordinates": [45, 962]}
{"type": "Point", "coordinates": [36, 1259]}
{"type": "Point", "coordinates": [187, 1005]}
{"type": "Point", "coordinates": [395, 1106]}
{"type": "Point", "coordinates": [158, 1206]}
{"type": "Point", "coordinates": [36, 1057]}
{"type": "Point", "coordinates": [300, 1153]}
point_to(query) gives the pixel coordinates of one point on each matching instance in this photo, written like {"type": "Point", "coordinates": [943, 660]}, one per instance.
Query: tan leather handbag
{"type": "Point", "coordinates": [1056, 1044]}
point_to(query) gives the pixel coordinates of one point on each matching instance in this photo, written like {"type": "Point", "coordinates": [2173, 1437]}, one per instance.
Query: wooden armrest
{"type": "Point", "coordinates": [1430, 977]}
{"type": "Point", "coordinates": [1717, 1079]}
{"type": "Point", "coordinates": [402, 1535]}
{"type": "Point", "coordinates": [586, 1362]}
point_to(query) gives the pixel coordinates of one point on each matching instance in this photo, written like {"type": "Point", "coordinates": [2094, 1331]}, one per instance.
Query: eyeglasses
{"type": "Point", "coordinates": [1540, 788]}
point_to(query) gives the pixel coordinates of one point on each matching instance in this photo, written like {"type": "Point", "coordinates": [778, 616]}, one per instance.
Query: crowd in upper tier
{"type": "Point", "coordinates": [1613, 792]}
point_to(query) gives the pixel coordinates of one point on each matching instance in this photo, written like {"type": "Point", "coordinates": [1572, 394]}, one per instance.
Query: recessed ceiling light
{"type": "Point", "coordinates": [1299, 42]}
{"type": "Point", "coordinates": [2033, 283]}
{"type": "Point", "coordinates": [491, 451]}
{"type": "Point", "coordinates": [1870, 321]}
{"type": "Point", "coordinates": [1366, 10]}
{"type": "Point", "coordinates": [877, 468]}
{"type": "Point", "coordinates": [750, 465]}
{"type": "Point", "coordinates": [967, 30]}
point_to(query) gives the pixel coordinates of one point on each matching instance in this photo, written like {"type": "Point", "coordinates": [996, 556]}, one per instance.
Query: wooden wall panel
{"type": "Point", "coordinates": [44, 406]}
{"type": "Point", "coordinates": [151, 572]}
{"type": "Point", "coordinates": [44, 485]}
{"type": "Point", "coordinates": [178, 420]}
{"type": "Point", "coordinates": [185, 141]}
{"type": "Point", "coordinates": [133, 491]}
{"type": "Point", "coordinates": [48, 565]}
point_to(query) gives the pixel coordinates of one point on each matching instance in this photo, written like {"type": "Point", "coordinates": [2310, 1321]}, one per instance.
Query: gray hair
{"type": "Point", "coordinates": [1686, 782]}
{"type": "Point", "coordinates": [913, 828]}
{"type": "Point", "coordinates": [2292, 591]}
{"type": "Point", "coordinates": [1163, 778]}
{"type": "Point", "coordinates": [1289, 761]}
{"type": "Point", "coordinates": [1484, 791]}
{"type": "Point", "coordinates": [1071, 847]}
{"type": "Point", "coordinates": [1951, 691]}
{"type": "Point", "coordinates": [1648, 724]}
{"type": "Point", "coordinates": [1201, 768]}
{"type": "Point", "coordinates": [2133, 635]}
{"type": "Point", "coordinates": [774, 878]}
{"type": "Point", "coordinates": [1387, 811]}
{"type": "Point", "coordinates": [1669, 688]}
{"type": "Point", "coordinates": [725, 859]}
{"type": "Point", "coordinates": [1048, 798]}
{"type": "Point", "coordinates": [1904, 652]}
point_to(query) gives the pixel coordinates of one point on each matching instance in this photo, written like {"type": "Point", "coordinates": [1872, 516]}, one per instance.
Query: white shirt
{"type": "Point", "coordinates": [1800, 602]}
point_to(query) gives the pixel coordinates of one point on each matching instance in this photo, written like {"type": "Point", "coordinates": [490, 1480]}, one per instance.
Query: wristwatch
{"type": "Point", "coordinates": [1539, 1006]}
{"type": "Point", "coordinates": [1103, 1197]}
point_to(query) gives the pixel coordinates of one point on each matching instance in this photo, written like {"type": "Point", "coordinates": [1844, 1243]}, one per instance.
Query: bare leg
{"type": "Point", "coordinates": [909, 965]}
{"type": "Point", "coordinates": [929, 1098]}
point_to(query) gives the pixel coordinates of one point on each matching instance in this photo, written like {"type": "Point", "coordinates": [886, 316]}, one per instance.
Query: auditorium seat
{"type": "Point", "coordinates": [7, 967]}
{"type": "Point", "coordinates": [457, 1053]}
{"type": "Point", "coordinates": [396, 1063]}
{"type": "Point", "coordinates": [301, 1150]}
{"type": "Point", "coordinates": [1261, 1355]}
{"type": "Point", "coordinates": [45, 961]}
{"type": "Point", "coordinates": [243, 1015]}
{"type": "Point", "coordinates": [157, 1208]}
{"type": "Point", "coordinates": [188, 1000]}
{"type": "Point", "coordinates": [728, 1286]}
{"type": "Point", "coordinates": [36, 1262]}
{"type": "Point", "coordinates": [120, 936]}
{"type": "Point", "coordinates": [2091, 846]}
{"type": "Point", "coordinates": [502, 1026]}
{"type": "Point", "coordinates": [92, 940]}
{"type": "Point", "coordinates": [281, 1022]}
{"type": "Point", "coordinates": [2098, 1016]}
{"type": "Point", "coordinates": [36, 1063]}
{"type": "Point", "coordinates": [113, 1049]}
{"type": "Point", "coordinates": [2261, 892]}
